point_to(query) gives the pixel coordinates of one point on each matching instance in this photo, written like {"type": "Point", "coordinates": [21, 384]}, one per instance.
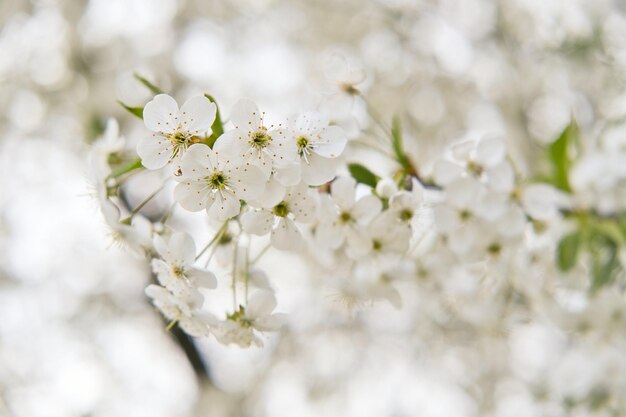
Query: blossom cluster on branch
{"type": "Point", "coordinates": [362, 233]}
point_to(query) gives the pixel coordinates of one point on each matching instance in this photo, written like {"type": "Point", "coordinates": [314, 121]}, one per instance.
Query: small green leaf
{"type": "Point", "coordinates": [397, 143]}
{"type": "Point", "coordinates": [567, 251]}
{"type": "Point", "coordinates": [155, 90]}
{"type": "Point", "coordinates": [605, 263]}
{"type": "Point", "coordinates": [560, 156]}
{"type": "Point", "coordinates": [137, 111]}
{"type": "Point", "coordinates": [363, 175]}
{"type": "Point", "coordinates": [217, 128]}
{"type": "Point", "coordinates": [126, 168]}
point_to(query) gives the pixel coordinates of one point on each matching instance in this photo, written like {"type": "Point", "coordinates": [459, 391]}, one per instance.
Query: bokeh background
{"type": "Point", "coordinates": [77, 334]}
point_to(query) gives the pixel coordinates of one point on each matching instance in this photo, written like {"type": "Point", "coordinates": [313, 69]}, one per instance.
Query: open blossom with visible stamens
{"type": "Point", "coordinates": [175, 270]}
{"type": "Point", "coordinates": [242, 326]}
{"type": "Point", "coordinates": [342, 215]}
{"type": "Point", "coordinates": [298, 205]}
{"type": "Point", "coordinates": [216, 183]}
{"type": "Point", "coordinates": [174, 129]}
{"type": "Point", "coordinates": [383, 237]}
{"type": "Point", "coordinates": [254, 142]}
{"type": "Point", "coordinates": [318, 145]}
{"type": "Point", "coordinates": [184, 311]}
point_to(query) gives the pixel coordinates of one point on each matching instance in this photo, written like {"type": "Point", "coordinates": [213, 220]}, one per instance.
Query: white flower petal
{"type": "Point", "coordinates": [287, 174]}
{"type": "Point", "coordinates": [343, 192]}
{"type": "Point", "coordinates": [445, 172]}
{"type": "Point", "coordinates": [261, 303]}
{"type": "Point", "coordinates": [181, 249]}
{"type": "Point", "coordinates": [257, 222]}
{"type": "Point", "coordinates": [286, 235]}
{"type": "Point", "coordinates": [160, 113]}
{"type": "Point", "coordinates": [197, 115]}
{"type": "Point", "coordinates": [318, 170]}
{"type": "Point", "coordinates": [328, 235]}
{"type": "Point", "coordinates": [224, 207]}
{"type": "Point", "coordinates": [366, 208]}
{"type": "Point", "coordinates": [154, 151]}
{"type": "Point", "coordinates": [270, 323]}
{"type": "Point", "coordinates": [192, 195]}
{"type": "Point", "coordinates": [245, 115]}
{"type": "Point", "coordinates": [332, 142]}
{"type": "Point", "coordinates": [311, 123]}
{"type": "Point", "coordinates": [247, 181]}
{"type": "Point", "coordinates": [273, 194]}
{"type": "Point", "coordinates": [198, 162]}
{"type": "Point", "coordinates": [201, 277]}
{"type": "Point", "coordinates": [490, 152]}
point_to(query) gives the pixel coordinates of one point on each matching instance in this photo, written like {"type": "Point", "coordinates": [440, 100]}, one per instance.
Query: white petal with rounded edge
{"type": "Point", "coordinates": [224, 207]}
{"type": "Point", "coordinates": [311, 123]}
{"type": "Point", "coordinates": [318, 170]}
{"type": "Point", "coordinates": [366, 208]}
{"type": "Point", "coordinates": [245, 115]}
{"type": "Point", "coordinates": [332, 142]}
{"type": "Point", "coordinates": [272, 195]}
{"type": "Point", "coordinates": [197, 115]}
{"type": "Point", "coordinates": [446, 172]}
{"type": "Point", "coordinates": [328, 235]}
{"type": "Point", "coordinates": [201, 277]}
{"type": "Point", "coordinates": [287, 174]}
{"type": "Point", "coordinates": [343, 192]}
{"type": "Point", "coordinates": [192, 195]}
{"type": "Point", "coordinates": [257, 222]}
{"type": "Point", "coordinates": [232, 145]}
{"type": "Point", "coordinates": [247, 181]}
{"type": "Point", "coordinates": [270, 323]}
{"type": "Point", "coordinates": [286, 235]}
{"type": "Point", "coordinates": [154, 151]}
{"type": "Point", "coordinates": [181, 249]}
{"type": "Point", "coordinates": [301, 204]}
{"type": "Point", "coordinates": [198, 162]}
{"type": "Point", "coordinates": [160, 113]}
{"type": "Point", "coordinates": [490, 152]}
{"type": "Point", "coordinates": [261, 303]}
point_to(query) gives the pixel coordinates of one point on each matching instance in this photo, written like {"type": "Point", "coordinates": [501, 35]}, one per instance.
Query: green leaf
{"type": "Point", "coordinates": [397, 144]}
{"type": "Point", "coordinates": [217, 128]}
{"type": "Point", "coordinates": [567, 251]}
{"type": "Point", "coordinates": [605, 262]}
{"type": "Point", "coordinates": [363, 175]}
{"type": "Point", "coordinates": [126, 168]}
{"type": "Point", "coordinates": [560, 156]}
{"type": "Point", "coordinates": [155, 90]}
{"type": "Point", "coordinates": [137, 111]}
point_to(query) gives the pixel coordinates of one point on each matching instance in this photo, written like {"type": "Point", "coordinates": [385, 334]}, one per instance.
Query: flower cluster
{"type": "Point", "coordinates": [363, 235]}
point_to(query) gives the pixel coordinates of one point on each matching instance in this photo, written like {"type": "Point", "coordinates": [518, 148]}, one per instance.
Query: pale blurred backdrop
{"type": "Point", "coordinates": [78, 336]}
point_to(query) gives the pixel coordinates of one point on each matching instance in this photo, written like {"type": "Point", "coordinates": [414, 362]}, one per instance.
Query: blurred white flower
{"type": "Point", "coordinates": [242, 326]}
{"type": "Point", "coordinates": [297, 206]}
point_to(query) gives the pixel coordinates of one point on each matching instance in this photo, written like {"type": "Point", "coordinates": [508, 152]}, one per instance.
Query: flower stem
{"type": "Point", "coordinates": [234, 283]}
{"type": "Point", "coordinates": [215, 238]}
{"type": "Point", "coordinates": [143, 203]}
{"type": "Point", "coordinates": [265, 249]}
{"type": "Point", "coordinates": [246, 271]}
{"type": "Point", "coordinates": [169, 326]}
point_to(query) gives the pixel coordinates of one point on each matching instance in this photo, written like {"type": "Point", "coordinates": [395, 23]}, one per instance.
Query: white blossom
{"type": "Point", "coordinates": [242, 327]}
{"type": "Point", "coordinates": [298, 206]}
{"type": "Point", "coordinates": [253, 142]}
{"type": "Point", "coordinates": [174, 129]}
{"type": "Point", "coordinates": [216, 183]}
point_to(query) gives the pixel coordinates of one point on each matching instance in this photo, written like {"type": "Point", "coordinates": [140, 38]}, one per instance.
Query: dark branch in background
{"type": "Point", "coordinates": [187, 344]}
{"type": "Point", "coordinates": [184, 341]}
